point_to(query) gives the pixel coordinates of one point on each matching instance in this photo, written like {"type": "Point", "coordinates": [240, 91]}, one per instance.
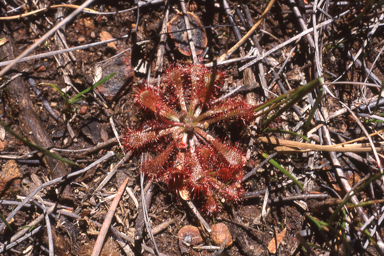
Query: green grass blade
{"type": "Point", "coordinates": [366, 203]}
{"type": "Point", "coordinates": [285, 172]}
{"type": "Point", "coordinates": [287, 132]}
{"type": "Point", "coordinates": [37, 147]}
{"type": "Point", "coordinates": [6, 222]}
{"type": "Point", "coordinates": [315, 221]}
{"type": "Point", "coordinates": [313, 110]}
{"type": "Point", "coordinates": [273, 101]}
{"type": "Point", "coordinates": [378, 98]}
{"type": "Point", "coordinates": [80, 94]}
{"type": "Point", "coordinates": [64, 95]}
{"type": "Point", "coordinates": [351, 193]}
{"type": "Point", "coordinates": [367, 234]}
{"type": "Point", "coordinates": [294, 97]}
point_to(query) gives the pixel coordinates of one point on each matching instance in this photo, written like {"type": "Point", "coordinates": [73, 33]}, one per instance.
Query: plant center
{"type": "Point", "coordinates": [188, 124]}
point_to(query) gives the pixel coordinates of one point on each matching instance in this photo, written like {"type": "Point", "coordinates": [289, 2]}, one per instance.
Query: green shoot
{"type": "Point", "coordinates": [69, 102]}
{"type": "Point", "coordinates": [287, 100]}
{"type": "Point", "coordinates": [314, 108]}
{"type": "Point", "coordinates": [285, 172]}
{"type": "Point", "coordinates": [351, 193]}
{"type": "Point", "coordinates": [33, 145]}
{"type": "Point", "coordinates": [6, 222]}
{"type": "Point", "coordinates": [287, 132]}
{"type": "Point", "coordinates": [30, 228]}
{"type": "Point", "coordinates": [77, 97]}
{"type": "Point", "coordinates": [378, 98]}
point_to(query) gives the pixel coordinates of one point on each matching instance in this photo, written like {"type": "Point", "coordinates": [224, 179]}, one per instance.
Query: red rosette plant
{"type": "Point", "coordinates": [191, 160]}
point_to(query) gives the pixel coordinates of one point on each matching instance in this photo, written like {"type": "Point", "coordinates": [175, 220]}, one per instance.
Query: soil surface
{"type": "Point", "coordinates": [40, 101]}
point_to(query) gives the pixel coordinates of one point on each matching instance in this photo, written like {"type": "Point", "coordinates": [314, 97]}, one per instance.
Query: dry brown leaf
{"type": "Point", "coordinates": [275, 242]}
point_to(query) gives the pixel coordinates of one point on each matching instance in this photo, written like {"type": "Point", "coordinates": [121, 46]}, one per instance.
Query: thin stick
{"type": "Point", "coordinates": [115, 131]}
{"type": "Point", "coordinates": [163, 40]}
{"type": "Point", "coordinates": [2, 249]}
{"type": "Point", "coordinates": [18, 16]}
{"type": "Point", "coordinates": [108, 219]}
{"type": "Point", "coordinates": [255, 59]}
{"type": "Point", "coordinates": [198, 215]}
{"type": "Point", "coordinates": [130, 193]}
{"type": "Point", "coordinates": [32, 223]}
{"type": "Point", "coordinates": [355, 58]}
{"type": "Point", "coordinates": [363, 129]}
{"type": "Point", "coordinates": [366, 134]}
{"type": "Point", "coordinates": [129, 239]}
{"type": "Point", "coordinates": [263, 81]}
{"type": "Point", "coordinates": [250, 32]}
{"type": "Point", "coordinates": [8, 202]}
{"type": "Point", "coordinates": [57, 180]}
{"type": "Point", "coordinates": [299, 16]}
{"type": "Point", "coordinates": [85, 151]}
{"type": "Point", "coordinates": [52, 53]}
{"type": "Point", "coordinates": [111, 173]}
{"type": "Point", "coordinates": [162, 226]}
{"type": "Point", "coordinates": [189, 32]}
{"type": "Point", "coordinates": [288, 145]}
{"type": "Point", "coordinates": [140, 220]}
{"type": "Point", "coordinates": [145, 211]}
{"type": "Point", "coordinates": [344, 181]}
{"type": "Point", "coordinates": [254, 170]}
{"type": "Point", "coordinates": [310, 30]}
{"type": "Point", "coordinates": [45, 36]}
{"type": "Point", "coordinates": [49, 231]}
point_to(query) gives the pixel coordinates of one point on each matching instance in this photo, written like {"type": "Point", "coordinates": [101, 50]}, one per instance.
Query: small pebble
{"type": "Point", "coordinates": [219, 233]}
{"type": "Point", "coordinates": [83, 110]}
{"type": "Point", "coordinates": [188, 236]}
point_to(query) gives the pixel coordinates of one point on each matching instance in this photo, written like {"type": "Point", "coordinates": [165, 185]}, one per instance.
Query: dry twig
{"type": "Point", "coordinates": [108, 219]}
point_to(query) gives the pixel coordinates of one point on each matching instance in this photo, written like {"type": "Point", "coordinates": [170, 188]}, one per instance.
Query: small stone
{"type": "Point", "coordinates": [81, 39]}
{"type": "Point", "coordinates": [188, 236]}
{"type": "Point", "coordinates": [3, 145]}
{"type": "Point", "coordinates": [83, 110]}
{"type": "Point", "coordinates": [104, 135]}
{"type": "Point", "coordinates": [176, 29]}
{"type": "Point", "coordinates": [120, 83]}
{"type": "Point", "coordinates": [219, 233]}
{"type": "Point", "coordinates": [104, 35]}
{"type": "Point", "coordinates": [88, 23]}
